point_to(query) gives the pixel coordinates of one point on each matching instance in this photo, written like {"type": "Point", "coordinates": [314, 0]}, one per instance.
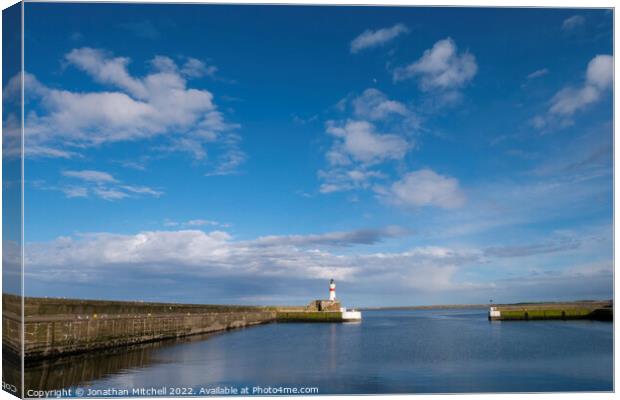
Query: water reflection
{"type": "Point", "coordinates": [80, 369]}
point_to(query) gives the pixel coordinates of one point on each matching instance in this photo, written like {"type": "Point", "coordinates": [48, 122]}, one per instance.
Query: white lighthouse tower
{"type": "Point", "coordinates": [332, 290]}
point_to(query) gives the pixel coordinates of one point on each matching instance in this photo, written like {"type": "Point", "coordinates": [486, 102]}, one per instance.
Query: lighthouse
{"type": "Point", "coordinates": [330, 308]}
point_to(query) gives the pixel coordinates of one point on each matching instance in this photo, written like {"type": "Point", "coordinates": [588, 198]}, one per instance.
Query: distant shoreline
{"type": "Point", "coordinates": [476, 306]}
{"type": "Point", "coordinates": [434, 307]}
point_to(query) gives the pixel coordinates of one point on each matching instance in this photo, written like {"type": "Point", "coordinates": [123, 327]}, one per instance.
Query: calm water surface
{"type": "Point", "coordinates": [425, 351]}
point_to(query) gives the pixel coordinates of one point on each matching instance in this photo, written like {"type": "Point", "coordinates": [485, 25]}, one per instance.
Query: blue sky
{"type": "Point", "coordinates": [237, 154]}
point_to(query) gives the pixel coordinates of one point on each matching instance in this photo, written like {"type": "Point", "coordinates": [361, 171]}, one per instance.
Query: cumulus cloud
{"type": "Point", "coordinates": [369, 38]}
{"type": "Point", "coordinates": [195, 68]}
{"type": "Point", "coordinates": [375, 105]}
{"type": "Point", "coordinates": [12, 91]}
{"type": "Point", "coordinates": [440, 68]}
{"type": "Point", "coordinates": [568, 101]}
{"type": "Point", "coordinates": [360, 141]}
{"type": "Point", "coordinates": [599, 76]}
{"type": "Point", "coordinates": [573, 22]}
{"type": "Point", "coordinates": [135, 108]}
{"type": "Point", "coordinates": [105, 68]}
{"type": "Point", "coordinates": [378, 130]}
{"type": "Point", "coordinates": [192, 68]}
{"type": "Point", "coordinates": [600, 72]}
{"type": "Point", "coordinates": [341, 179]}
{"type": "Point", "coordinates": [424, 188]}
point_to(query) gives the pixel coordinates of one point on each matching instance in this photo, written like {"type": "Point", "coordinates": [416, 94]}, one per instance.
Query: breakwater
{"type": "Point", "coordinates": [64, 326]}
{"type": "Point", "coordinates": [602, 311]}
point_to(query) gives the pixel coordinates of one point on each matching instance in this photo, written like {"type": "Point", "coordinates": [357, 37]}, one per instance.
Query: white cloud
{"type": "Point", "coordinates": [109, 194]}
{"type": "Point", "coordinates": [201, 222]}
{"type": "Point", "coordinates": [359, 140]}
{"type": "Point", "coordinates": [192, 68]}
{"type": "Point", "coordinates": [440, 67]}
{"type": "Point", "coordinates": [600, 72]}
{"type": "Point", "coordinates": [100, 184]}
{"type": "Point", "coordinates": [333, 187]}
{"type": "Point", "coordinates": [91, 176]}
{"type": "Point", "coordinates": [228, 163]}
{"type": "Point", "coordinates": [573, 22]}
{"type": "Point", "coordinates": [195, 68]}
{"type": "Point", "coordinates": [538, 73]}
{"type": "Point", "coordinates": [195, 222]}
{"type": "Point", "coordinates": [424, 188]}
{"type": "Point", "coordinates": [106, 69]}
{"type": "Point", "coordinates": [375, 105]}
{"type": "Point", "coordinates": [42, 151]}
{"type": "Point", "coordinates": [157, 104]}
{"type": "Point", "coordinates": [164, 64]}
{"type": "Point", "coordinates": [71, 192]}
{"type": "Point", "coordinates": [140, 190]}
{"type": "Point", "coordinates": [568, 100]}
{"type": "Point", "coordinates": [343, 179]}
{"type": "Point", "coordinates": [565, 103]}
{"type": "Point", "coordinates": [379, 130]}
{"type": "Point", "coordinates": [370, 38]}
{"type": "Point", "coordinates": [12, 91]}
{"type": "Point", "coordinates": [187, 145]}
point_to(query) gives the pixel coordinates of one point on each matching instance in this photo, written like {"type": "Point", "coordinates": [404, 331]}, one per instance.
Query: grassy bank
{"type": "Point", "coordinates": [575, 313]}
{"type": "Point", "coordinates": [309, 316]}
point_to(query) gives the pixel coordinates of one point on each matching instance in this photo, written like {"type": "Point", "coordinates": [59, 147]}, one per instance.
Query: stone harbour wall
{"type": "Point", "coordinates": [11, 323]}
{"type": "Point", "coordinates": [63, 326]}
